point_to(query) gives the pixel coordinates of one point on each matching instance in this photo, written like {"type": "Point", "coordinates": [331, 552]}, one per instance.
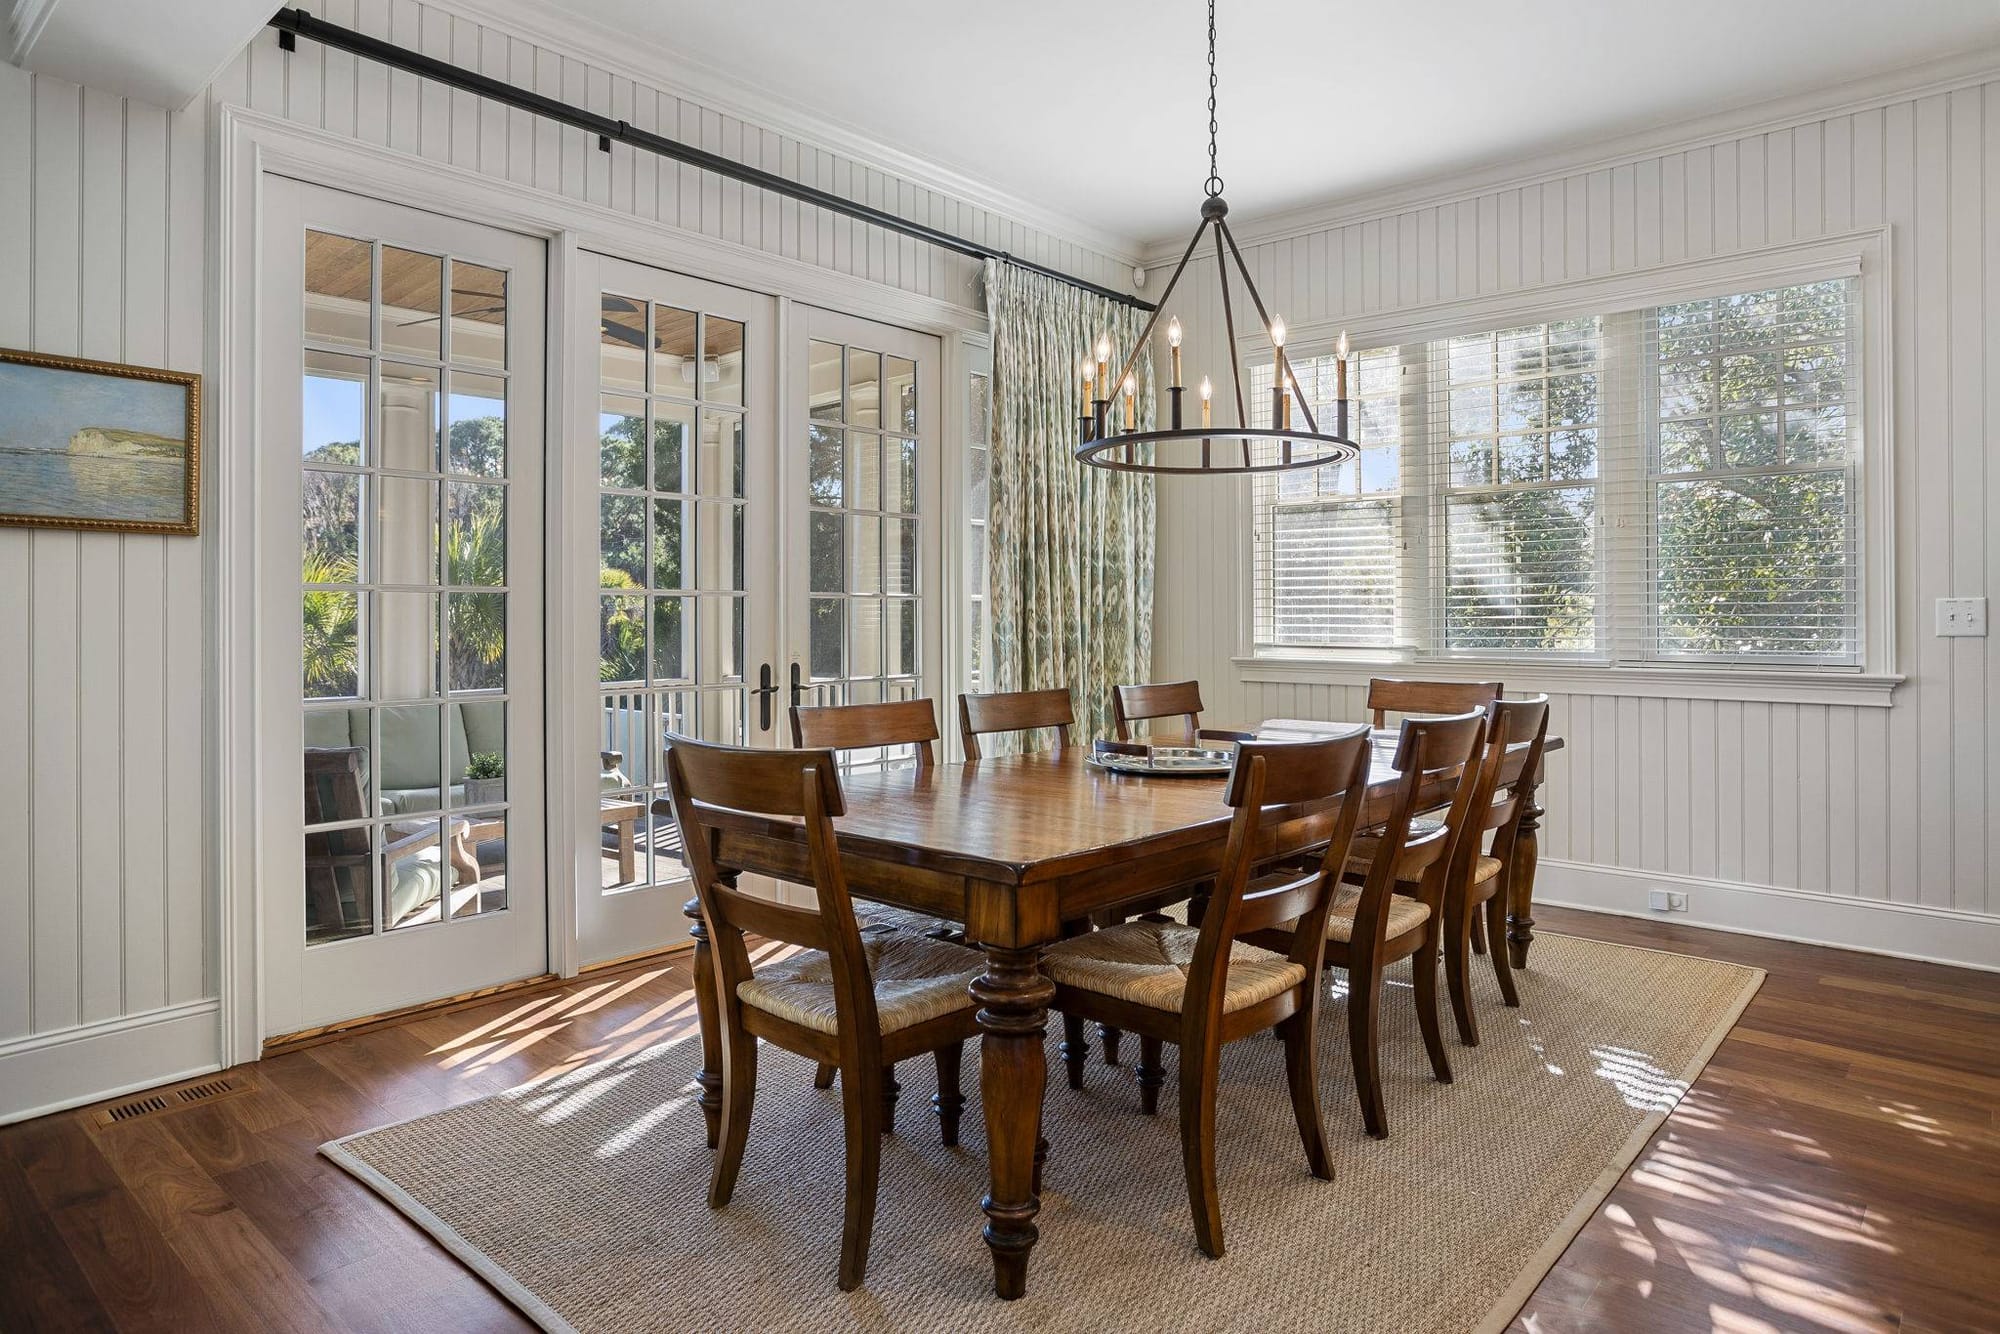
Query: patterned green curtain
{"type": "Point", "coordinates": [1069, 548]}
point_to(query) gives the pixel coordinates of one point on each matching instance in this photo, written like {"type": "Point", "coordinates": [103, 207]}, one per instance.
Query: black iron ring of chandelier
{"type": "Point", "coordinates": [1206, 448]}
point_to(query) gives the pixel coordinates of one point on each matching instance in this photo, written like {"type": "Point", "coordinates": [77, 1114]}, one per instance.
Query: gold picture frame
{"type": "Point", "coordinates": [76, 452]}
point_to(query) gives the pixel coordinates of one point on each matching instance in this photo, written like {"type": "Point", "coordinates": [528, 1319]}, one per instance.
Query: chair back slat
{"type": "Point", "coordinates": [1298, 772]}
{"type": "Point", "coordinates": [804, 927]}
{"type": "Point", "coordinates": [1387, 695]}
{"type": "Point", "coordinates": [1432, 746]}
{"type": "Point", "coordinates": [1014, 711]}
{"type": "Point", "coordinates": [762, 782]}
{"type": "Point", "coordinates": [902, 722]}
{"type": "Point", "coordinates": [1133, 704]}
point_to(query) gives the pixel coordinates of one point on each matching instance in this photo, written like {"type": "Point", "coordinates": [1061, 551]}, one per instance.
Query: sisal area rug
{"type": "Point", "coordinates": [583, 1198]}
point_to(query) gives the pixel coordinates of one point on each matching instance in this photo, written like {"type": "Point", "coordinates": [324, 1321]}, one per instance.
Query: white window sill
{"type": "Point", "coordinates": [1779, 685]}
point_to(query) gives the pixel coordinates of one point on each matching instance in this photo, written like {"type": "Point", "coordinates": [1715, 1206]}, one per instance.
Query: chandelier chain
{"type": "Point", "coordinates": [1214, 182]}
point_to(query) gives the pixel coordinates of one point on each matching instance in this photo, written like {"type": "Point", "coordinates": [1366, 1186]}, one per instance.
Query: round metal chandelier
{"type": "Point", "coordinates": [1110, 436]}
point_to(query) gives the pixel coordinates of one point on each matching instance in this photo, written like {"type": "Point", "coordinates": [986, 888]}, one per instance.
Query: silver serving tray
{"type": "Point", "coordinates": [1168, 761]}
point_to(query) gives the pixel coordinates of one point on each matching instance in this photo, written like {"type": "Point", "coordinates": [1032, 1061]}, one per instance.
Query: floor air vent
{"type": "Point", "coordinates": [166, 1100]}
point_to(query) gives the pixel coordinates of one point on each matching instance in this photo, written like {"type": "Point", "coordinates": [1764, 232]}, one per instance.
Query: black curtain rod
{"type": "Point", "coordinates": [295, 23]}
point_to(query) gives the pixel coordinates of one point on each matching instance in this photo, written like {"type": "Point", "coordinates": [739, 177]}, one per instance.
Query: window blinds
{"type": "Point", "coordinates": [1671, 484]}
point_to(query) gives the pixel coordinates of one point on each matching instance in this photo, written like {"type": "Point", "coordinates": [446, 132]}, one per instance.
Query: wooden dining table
{"type": "Point", "coordinates": [1022, 849]}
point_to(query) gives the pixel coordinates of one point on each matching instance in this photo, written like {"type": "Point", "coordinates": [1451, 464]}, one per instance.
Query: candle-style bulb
{"type": "Point", "coordinates": [1207, 389]}
{"type": "Point", "coordinates": [1103, 348]}
{"type": "Point", "coordinates": [1174, 332]}
{"type": "Point", "coordinates": [1342, 349]}
{"type": "Point", "coordinates": [1131, 386]}
{"type": "Point", "coordinates": [1277, 333]}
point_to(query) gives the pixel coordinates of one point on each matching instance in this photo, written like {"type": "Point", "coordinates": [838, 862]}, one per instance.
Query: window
{"type": "Point", "coordinates": [1672, 484]}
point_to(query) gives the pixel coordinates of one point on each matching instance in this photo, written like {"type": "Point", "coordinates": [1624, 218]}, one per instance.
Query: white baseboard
{"type": "Point", "coordinates": [51, 1072]}
{"type": "Point", "coordinates": [1904, 930]}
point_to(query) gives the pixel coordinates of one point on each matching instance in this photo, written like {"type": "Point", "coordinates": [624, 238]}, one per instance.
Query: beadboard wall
{"type": "Point", "coordinates": [1793, 818]}
{"type": "Point", "coordinates": [107, 912]}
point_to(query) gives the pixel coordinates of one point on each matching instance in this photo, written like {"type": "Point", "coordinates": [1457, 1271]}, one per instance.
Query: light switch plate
{"type": "Point", "coordinates": [1961, 616]}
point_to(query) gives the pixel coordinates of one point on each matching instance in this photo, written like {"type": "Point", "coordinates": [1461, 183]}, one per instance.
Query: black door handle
{"type": "Point", "coordinates": [798, 687]}
{"type": "Point", "coordinates": [766, 688]}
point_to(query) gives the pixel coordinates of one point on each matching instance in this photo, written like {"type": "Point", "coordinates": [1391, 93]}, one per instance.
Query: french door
{"type": "Point", "coordinates": [676, 479]}
{"type": "Point", "coordinates": [399, 605]}
{"type": "Point", "coordinates": [862, 616]}
{"type": "Point", "coordinates": [758, 486]}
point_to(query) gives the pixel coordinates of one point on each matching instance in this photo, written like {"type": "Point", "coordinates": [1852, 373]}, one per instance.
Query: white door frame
{"type": "Point", "coordinates": [250, 144]}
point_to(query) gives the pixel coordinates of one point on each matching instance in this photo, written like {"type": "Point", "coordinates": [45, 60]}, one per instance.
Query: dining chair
{"type": "Point", "coordinates": [1203, 987]}
{"type": "Point", "coordinates": [901, 722]}
{"type": "Point", "coordinates": [1014, 711]}
{"type": "Point", "coordinates": [1371, 926]}
{"type": "Point", "coordinates": [1387, 695]}
{"type": "Point", "coordinates": [1479, 877]}
{"type": "Point", "coordinates": [859, 1001]}
{"type": "Point", "coordinates": [1174, 699]}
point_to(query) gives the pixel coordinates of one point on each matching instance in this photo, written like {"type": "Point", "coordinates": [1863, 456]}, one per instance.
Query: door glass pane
{"type": "Point", "coordinates": [621, 344]}
{"type": "Point", "coordinates": [722, 359]}
{"type": "Point", "coordinates": [339, 866]}
{"type": "Point", "coordinates": [476, 534]}
{"type": "Point", "coordinates": [335, 399]}
{"type": "Point", "coordinates": [412, 302]}
{"type": "Point", "coordinates": [476, 434]}
{"type": "Point", "coordinates": [330, 524]}
{"type": "Point", "coordinates": [478, 315]}
{"type": "Point", "coordinates": [419, 864]}
{"type": "Point", "coordinates": [676, 353]}
{"type": "Point", "coordinates": [621, 436]}
{"type": "Point", "coordinates": [823, 381]}
{"type": "Point", "coordinates": [340, 284]}
{"type": "Point", "coordinates": [900, 393]}
{"type": "Point", "coordinates": [409, 417]}
{"type": "Point", "coordinates": [478, 640]}
{"type": "Point", "coordinates": [330, 647]}
{"type": "Point", "coordinates": [673, 429]}
{"type": "Point", "coordinates": [864, 388]}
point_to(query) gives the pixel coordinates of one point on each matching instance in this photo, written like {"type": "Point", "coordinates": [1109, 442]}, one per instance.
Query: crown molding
{"type": "Point", "coordinates": [1902, 83]}
{"type": "Point", "coordinates": [659, 67]}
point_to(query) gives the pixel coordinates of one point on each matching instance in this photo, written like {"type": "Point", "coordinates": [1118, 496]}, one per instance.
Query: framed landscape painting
{"type": "Point", "coordinates": [90, 444]}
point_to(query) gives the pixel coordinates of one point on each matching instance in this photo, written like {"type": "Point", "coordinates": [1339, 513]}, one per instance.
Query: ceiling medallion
{"type": "Point", "coordinates": [1109, 431]}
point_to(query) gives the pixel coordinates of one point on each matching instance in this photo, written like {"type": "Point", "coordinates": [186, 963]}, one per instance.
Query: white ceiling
{"type": "Point", "coordinates": [157, 52]}
{"type": "Point", "coordinates": [1097, 110]}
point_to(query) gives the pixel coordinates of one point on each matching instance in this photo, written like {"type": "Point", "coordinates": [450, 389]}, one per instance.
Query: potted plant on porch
{"type": "Point", "coordinates": [486, 778]}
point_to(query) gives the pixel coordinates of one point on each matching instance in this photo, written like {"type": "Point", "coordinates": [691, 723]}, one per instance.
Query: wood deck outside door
{"type": "Point", "coordinates": [1015, 847]}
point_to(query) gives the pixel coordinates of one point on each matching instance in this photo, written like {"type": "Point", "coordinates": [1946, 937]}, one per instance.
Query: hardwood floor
{"type": "Point", "coordinates": [1837, 1167]}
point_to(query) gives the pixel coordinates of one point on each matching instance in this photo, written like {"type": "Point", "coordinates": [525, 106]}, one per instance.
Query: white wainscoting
{"type": "Point", "coordinates": [1840, 802]}
{"type": "Point", "coordinates": [107, 721]}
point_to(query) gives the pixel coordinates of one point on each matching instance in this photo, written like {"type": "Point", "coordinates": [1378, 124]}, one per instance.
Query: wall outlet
{"type": "Point", "coordinates": [1961, 616]}
{"type": "Point", "coordinates": [1667, 900]}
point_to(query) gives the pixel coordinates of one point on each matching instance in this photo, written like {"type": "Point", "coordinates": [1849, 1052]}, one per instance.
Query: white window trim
{"type": "Point", "coordinates": [1863, 254]}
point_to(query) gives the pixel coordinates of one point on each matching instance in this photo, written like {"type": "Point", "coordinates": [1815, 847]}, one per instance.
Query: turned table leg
{"type": "Point", "coordinates": [710, 1078]}
{"type": "Point", "coordinates": [1521, 886]}
{"type": "Point", "coordinates": [1013, 998]}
